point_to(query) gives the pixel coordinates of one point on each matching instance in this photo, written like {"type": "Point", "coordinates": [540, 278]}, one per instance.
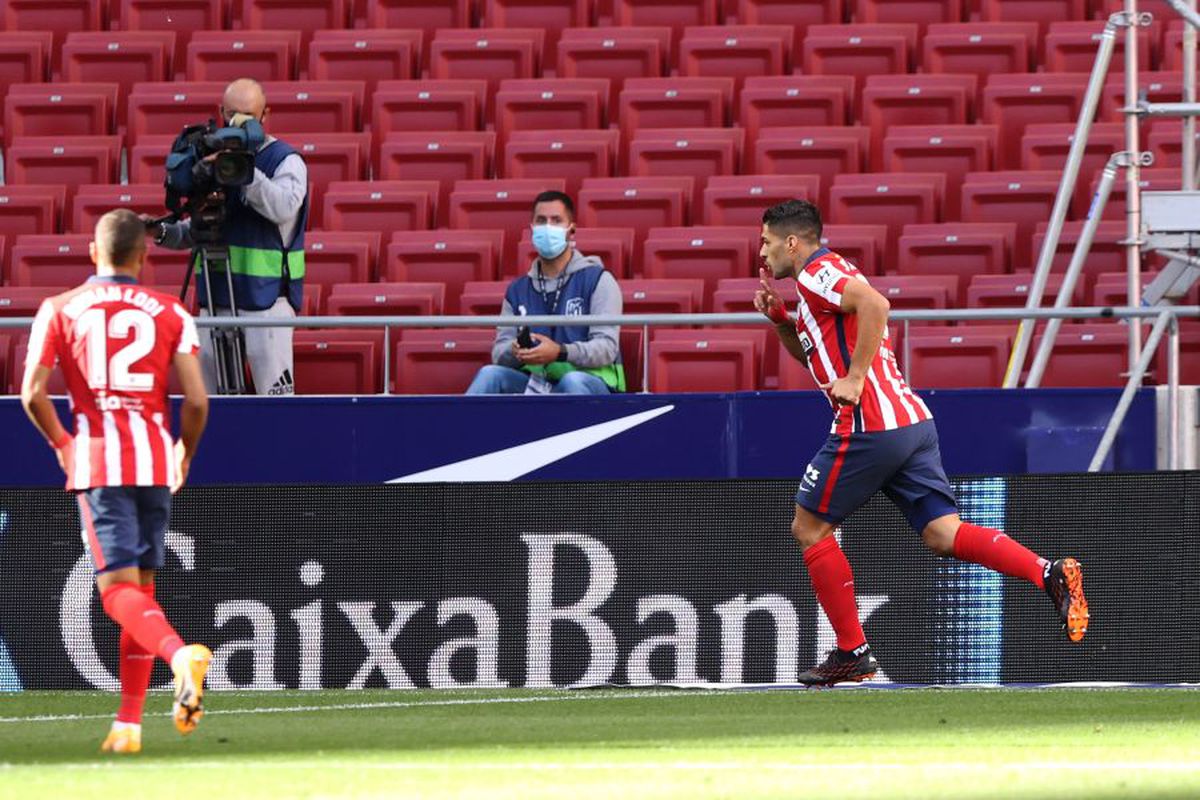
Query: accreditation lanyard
{"type": "Point", "coordinates": [551, 304]}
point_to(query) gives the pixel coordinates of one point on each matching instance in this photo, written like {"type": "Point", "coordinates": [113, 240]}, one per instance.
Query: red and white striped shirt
{"type": "Point", "coordinates": [115, 341]}
{"type": "Point", "coordinates": [829, 336]}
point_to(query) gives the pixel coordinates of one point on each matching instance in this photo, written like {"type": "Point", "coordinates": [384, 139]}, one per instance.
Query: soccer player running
{"type": "Point", "coordinates": [883, 438]}
{"type": "Point", "coordinates": [116, 343]}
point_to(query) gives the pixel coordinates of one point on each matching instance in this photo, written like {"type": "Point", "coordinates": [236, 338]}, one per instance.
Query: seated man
{"type": "Point", "coordinates": [561, 281]}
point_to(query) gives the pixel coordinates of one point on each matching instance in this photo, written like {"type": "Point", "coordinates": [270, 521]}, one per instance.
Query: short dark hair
{"type": "Point", "coordinates": [554, 196]}
{"type": "Point", "coordinates": [794, 218]}
{"type": "Point", "coordinates": [120, 235]}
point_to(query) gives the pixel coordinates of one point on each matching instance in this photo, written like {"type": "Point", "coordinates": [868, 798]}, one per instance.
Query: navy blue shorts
{"type": "Point", "coordinates": [905, 464]}
{"type": "Point", "coordinates": [125, 526]}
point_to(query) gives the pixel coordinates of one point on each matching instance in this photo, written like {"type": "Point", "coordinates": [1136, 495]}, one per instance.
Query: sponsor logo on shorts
{"type": "Point", "coordinates": [811, 476]}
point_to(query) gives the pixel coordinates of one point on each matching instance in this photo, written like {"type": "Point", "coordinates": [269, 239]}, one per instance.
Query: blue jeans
{"type": "Point", "coordinates": [495, 379]}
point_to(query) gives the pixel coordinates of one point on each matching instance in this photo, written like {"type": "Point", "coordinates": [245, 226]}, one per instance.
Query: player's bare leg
{"type": "Point", "coordinates": [1062, 579]}
{"type": "Point", "coordinates": [833, 584]}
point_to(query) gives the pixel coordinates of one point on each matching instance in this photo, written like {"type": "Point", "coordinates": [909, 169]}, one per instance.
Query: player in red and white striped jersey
{"type": "Point", "coordinates": [883, 439]}
{"type": "Point", "coordinates": [116, 343]}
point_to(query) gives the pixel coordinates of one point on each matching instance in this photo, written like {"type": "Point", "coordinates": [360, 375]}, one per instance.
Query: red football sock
{"type": "Point", "coordinates": [140, 615]}
{"type": "Point", "coordinates": [833, 583]}
{"type": "Point", "coordinates": [995, 550]}
{"type": "Point", "coordinates": [136, 665]}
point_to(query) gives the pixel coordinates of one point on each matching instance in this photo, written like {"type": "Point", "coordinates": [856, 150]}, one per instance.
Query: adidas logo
{"type": "Point", "coordinates": [285, 384]}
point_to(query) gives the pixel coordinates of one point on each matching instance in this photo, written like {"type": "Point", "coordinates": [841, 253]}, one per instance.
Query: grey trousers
{"type": "Point", "coordinates": [268, 351]}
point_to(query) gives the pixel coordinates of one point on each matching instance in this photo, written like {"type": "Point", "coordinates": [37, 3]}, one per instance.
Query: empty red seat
{"type": "Point", "coordinates": [324, 107]}
{"type": "Point", "coordinates": [613, 246]}
{"type": "Point", "coordinates": [148, 158]}
{"type": "Point", "coordinates": [742, 199]}
{"type": "Point", "coordinates": [1088, 354]}
{"type": "Point", "coordinates": [921, 12]}
{"type": "Point", "coordinates": [720, 360]}
{"type": "Point", "coordinates": [333, 156]}
{"type": "Point", "coordinates": [387, 299]}
{"type": "Point", "coordinates": [120, 57]}
{"type": "Point", "coordinates": [895, 199]}
{"type": "Point", "coordinates": [452, 258]}
{"type": "Point", "coordinates": [338, 361]}
{"type": "Point", "coordinates": [800, 14]}
{"type": "Point", "coordinates": [30, 209]}
{"type": "Point", "coordinates": [55, 260]}
{"type": "Point", "coordinates": [736, 296]}
{"type": "Point", "coordinates": [736, 51]}
{"type": "Point", "coordinates": [1166, 143]}
{"type": "Point", "coordinates": [224, 56]}
{"type": "Point", "coordinates": [614, 54]}
{"type": "Point", "coordinates": [1045, 146]}
{"type": "Point", "coordinates": [633, 356]}
{"type": "Point", "coordinates": [306, 16]}
{"type": "Point", "coordinates": [1043, 12]}
{"type": "Point", "coordinates": [698, 153]}
{"type": "Point", "coordinates": [69, 160]}
{"type": "Point", "coordinates": [662, 296]}
{"type": "Point", "coordinates": [1071, 46]}
{"type": "Point", "coordinates": [794, 100]}
{"type": "Point", "coordinates": [482, 298]}
{"type": "Point", "coordinates": [505, 205]}
{"type": "Point", "coordinates": [1013, 101]}
{"type": "Point", "coordinates": [60, 18]}
{"type": "Point", "coordinates": [491, 54]}
{"type": "Point", "coordinates": [960, 249]}
{"type": "Point", "coordinates": [455, 105]}
{"type": "Point", "coordinates": [864, 246]}
{"type": "Point", "coordinates": [824, 151]}
{"type": "Point", "coordinates": [918, 291]}
{"type": "Point", "coordinates": [1025, 198]}
{"type": "Point", "coordinates": [442, 361]}
{"type": "Point", "coordinates": [95, 200]}
{"type": "Point", "coordinates": [365, 55]}
{"type": "Point", "coordinates": [707, 253]}
{"type": "Point", "coordinates": [1106, 253]}
{"type": "Point", "coordinates": [181, 17]}
{"type": "Point", "coordinates": [80, 109]}
{"type": "Point", "coordinates": [927, 100]}
{"type": "Point", "coordinates": [953, 150]}
{"type": "Point", "coordinates": [674, 103]}
{"type": "Point", "coordinates": [444, 157]}
{"type": "Point", "coordinates": [427, 16]}
{"type": "Point", "coordinates": [24, 57]}
{"type": "Point", "coordinates": [550, 15]}
{"type": "Point", "coordinates": [23, 301]}
{"type": "Point", "coordinates": [958, 358]}
{"type": "Point", "coordinates": [636, 203]}
{"type": "Point", "coordinates": [1112, 288]}
{"type": "Point", "coordinates": [1012, 291]}
{"type": "Point", "coordinates": [571, 155]}
{"type": "Point", "coordinates": [862, 49]}
{"type": "Point", "coordinates": [979, 48]}
{"type": "Point", "coordinates": [673, 14]}
{"type": "Point", "coordinates": [550, 105]}
{"type": "Point", "coordinates": [383, 206]}
{"type": "Point", "coordinates": [332, 257]}
{"type": "Point", "coordinates": [165, 108]}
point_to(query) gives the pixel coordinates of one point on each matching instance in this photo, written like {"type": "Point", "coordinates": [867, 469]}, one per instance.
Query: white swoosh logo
{"type": "Point", "coordinates": [513, 462]}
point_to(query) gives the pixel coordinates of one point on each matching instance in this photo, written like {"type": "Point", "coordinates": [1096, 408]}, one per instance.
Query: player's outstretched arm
{"type": "Point", "coordinates": [193, 415]}
{"type": "Point", "coordinates": [768, 302]}
{"type": "Point", "coordinates": [35, 398]}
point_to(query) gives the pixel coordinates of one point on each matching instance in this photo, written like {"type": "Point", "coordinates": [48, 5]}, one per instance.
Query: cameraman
{"type": "Point", "coordinates": [264, 230]}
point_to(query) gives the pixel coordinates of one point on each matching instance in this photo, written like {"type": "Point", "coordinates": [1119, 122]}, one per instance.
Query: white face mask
{"type": "Point", "coordinates": [549, 240]}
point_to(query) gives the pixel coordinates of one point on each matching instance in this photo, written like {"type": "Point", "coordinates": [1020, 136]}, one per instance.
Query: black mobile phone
{"type": "Point", "coordinates": [524, 338]}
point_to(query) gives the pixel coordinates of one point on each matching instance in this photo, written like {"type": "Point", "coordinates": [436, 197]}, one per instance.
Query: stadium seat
{"type": "Point", "coordinates": [1172, 47]}
{"type": "Point", "coordinates": [333, 156]}
{"type": "Point", "coordinates": [93, 201]}
{"type": "Point", "coordinates": [550, 105]}
{"type": "Point", "coordinates": [707, 253]}
{"type": "Point", "coordinates": [613, 246]}
{"type": "Point", "coordinates": [633, 356]}
{"type": "Point", "coordinates": [227, 55]}
{"type": "Point", "coordinates": [444, 157]}
{"type": "Point", "coordinates": [332, 257]}
{"type": "Point", "coordinates": [59, 18]}
{"type": "Point", "coordinates": [953, 150]}
{"type": "Point", "coordinates": [30, 209]}
{"type": "Point", "coordinates": [928, 100]}
{"type": "Point", "coordinates": [338, 361]}
{"type": "Point", "coordinates": [79, 109]}
{"type": "Point", "coordinates": [551, 15]}
{"type": "Point", "coordinates": [491, 55]}
{"type": "Point", "coordinates": [1025, 198]}
{"type": "Point", "coordinates": [147, 158]}
{"type": "Point", "coordinates": [441, 361]}
{"type": "Point", "coordinates": [613, 54]}
{"type": "Point", "coordinates": [715, 360]}
{"type": "Point", "coordinates": [1045, 147]}
{"type": "Point", "coordinates": [1011, 102]}
{"type": "Point", "coordinates": [864, 246]}
{"type": "Point", "coordinates": [181, 17]}
{"type": "Point", "coordinates": [862, 50]}
{"type": "Point", "coordinates": [427, 106]}
{"type": "Point", "coordinates": [800, 14]}
{"type": "Point", "coordinates": [23, 301]}
{"type": "Point", "coordinates": [306, 16]}
{"type": "Point", "coordinates": [792, 375]}
{"type": "Point", "coordinates": [824, 151]}
{"type": "Point", "coordinates": [736, 296]}
{"type": "Point", "coordinates": [1043, 12]}
{"type": "Point", "coordinates": [120, 57]}
{"type": "Point", "coordinates": [369, 56]}
{"type": "Point", "coordinates": [979, 48]}
{"type": "Point", "coordinates": [1012, 291]}
{"type": "Point", "coordinates": [504, 205]}
{"type": "Point", "coordinates": [170, 267]}
{"type": "Point", "coordinates": [1166, 143]}
{"type": "Point", "coordinates": [698, 153]}
{"type": "Point", "coordinates": [959, 249]}
{"type": "Point", "coordinates": [920, 12]}
{"type": "Point", "coordinates": [55, 260]}
{"type": "Point", "coordinates": [1112, 288]}
{"type": "Point", "coordinates": [900, 198]}
{"type": "Point", "coordinates": [482, 298]}
{"type": "Point", "coordinates": [452, 258]}
{"type": "Point", "coordinates": [1087, 354]}
{"type": "Point", "coordinates": [662, 296]}
{"type": "Point", "coordinates": [1105, 255]}
{"type": "Point", "coordinates": [166, 108]}
{"type": "Point", "coordinates": [1155, 179]}
{"type": "Point", "coordinates": [637, 203]}
{"type": "Point", "coordinates": [794, 101]}
{"type": "Point", "coordinates": [742, 199]}
{"type": "Point", "coordinates": [24, 58]}
{"type": "Point", "coordinates": [673, 14]}
{"type": "Point", "coordinates": [387, 299]}
{"type": "Point", "coordinates": [69, 160]}
{"type": "Point", "coordinates": [383, 206]}
{"type": "Point", "coordinates": [306, 107]}
{"type": "Point", "coordinates": [571, 155]}
{"type": "Point", "coordinates": [1071, 46]}
{"type": "Point", "coordinates": [941, 357]}
{"type": "Point", "coordinates": [917, 291]}
{"type": "Point", "coordinates": [736, 51]}
{"type": "Point", "coordinates": [427, 16]}
{"type": "Point", "coordinates": [674, 103]}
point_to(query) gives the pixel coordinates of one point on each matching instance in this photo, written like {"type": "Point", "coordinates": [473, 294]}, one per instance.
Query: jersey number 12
{"type": "Point", "coordinates": [114, 373]}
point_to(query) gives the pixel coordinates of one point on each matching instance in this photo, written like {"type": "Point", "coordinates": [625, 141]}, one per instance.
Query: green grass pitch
{"type": "Point", "coordinates": [624, 744]}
